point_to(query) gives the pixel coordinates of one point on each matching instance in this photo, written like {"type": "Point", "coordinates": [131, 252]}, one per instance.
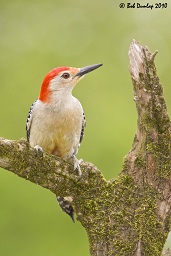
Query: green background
{"type": "Point", "coordinates": [35, 37]}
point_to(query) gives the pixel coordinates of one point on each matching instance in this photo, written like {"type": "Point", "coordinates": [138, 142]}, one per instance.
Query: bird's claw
{"type": "Point", "coordinates": [77, 166]}
{"type": "Point", "coordinates": [39, 150]}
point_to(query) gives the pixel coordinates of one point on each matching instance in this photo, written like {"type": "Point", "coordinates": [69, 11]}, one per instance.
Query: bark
{"type": "Point", "coordinates": [129, 215]}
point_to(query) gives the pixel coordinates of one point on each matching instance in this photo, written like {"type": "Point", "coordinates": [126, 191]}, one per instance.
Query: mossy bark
{"type": "Point", "coordinates": [132, 214]}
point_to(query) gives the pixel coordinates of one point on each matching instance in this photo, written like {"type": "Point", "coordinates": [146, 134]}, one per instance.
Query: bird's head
{"type": "Point", "coordinates": [63, 79]}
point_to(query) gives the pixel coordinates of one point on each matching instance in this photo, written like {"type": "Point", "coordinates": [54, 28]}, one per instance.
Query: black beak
{"type": "Point", "coordinates": [88, 69]}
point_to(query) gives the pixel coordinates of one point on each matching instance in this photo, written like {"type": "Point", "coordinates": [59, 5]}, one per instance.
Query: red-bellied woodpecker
{"type": "Point", "coordinates": [56, 121]}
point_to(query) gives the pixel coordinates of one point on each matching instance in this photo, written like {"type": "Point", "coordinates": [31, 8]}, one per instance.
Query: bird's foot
{"type": "Point", "coordinates": [39, 150]}
{"type": "Point", "coordinates": [77, 165]}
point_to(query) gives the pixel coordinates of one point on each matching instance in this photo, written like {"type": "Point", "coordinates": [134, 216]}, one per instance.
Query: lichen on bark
{"type": "Point", "coordinates": [130, 215]}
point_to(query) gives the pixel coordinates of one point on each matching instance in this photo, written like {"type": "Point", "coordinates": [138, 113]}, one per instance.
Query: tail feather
{"type": "Point", "coordinates": [65, 204]}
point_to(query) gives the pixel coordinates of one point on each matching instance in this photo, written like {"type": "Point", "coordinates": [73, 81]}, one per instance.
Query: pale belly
{"type": "Point", "coordinates": [59, 135]}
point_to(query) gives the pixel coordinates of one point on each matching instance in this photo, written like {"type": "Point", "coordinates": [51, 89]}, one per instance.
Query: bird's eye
{"type": "Point", "coordinates": [65, 75]}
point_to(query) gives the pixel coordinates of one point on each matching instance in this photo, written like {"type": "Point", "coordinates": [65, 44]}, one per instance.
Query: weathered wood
{"type": "Point", "coordinates": [130, 215]}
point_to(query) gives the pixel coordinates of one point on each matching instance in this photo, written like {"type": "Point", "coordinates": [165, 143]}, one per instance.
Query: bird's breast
{"type": "Point", "coordinates": [57, 130]}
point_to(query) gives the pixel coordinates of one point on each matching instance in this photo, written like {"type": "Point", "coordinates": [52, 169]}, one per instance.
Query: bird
{"type": "Point", "coordinates": [56, 121]}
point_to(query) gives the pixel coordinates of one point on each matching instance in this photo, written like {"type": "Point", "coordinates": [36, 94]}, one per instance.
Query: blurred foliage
{"type": "Point", "coordinates": [37, 36]}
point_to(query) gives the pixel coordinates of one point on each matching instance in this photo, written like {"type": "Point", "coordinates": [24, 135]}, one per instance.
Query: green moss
{"type": "Point", "coordinates": [147, 223]}
{"type": "Point", "coordinates": [140, 161]}
{"type": "Point", "coordinates": [122, 214]}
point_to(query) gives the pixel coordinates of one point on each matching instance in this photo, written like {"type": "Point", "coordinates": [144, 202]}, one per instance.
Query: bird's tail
{"type": "Point", "coordinates": [65, 204]}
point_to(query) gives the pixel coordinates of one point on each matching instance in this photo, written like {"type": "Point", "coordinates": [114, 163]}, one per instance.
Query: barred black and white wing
{"type": "Point", "coordinates": [29, 121]}
{"type": "Point", "coordinates": [83, 127]}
